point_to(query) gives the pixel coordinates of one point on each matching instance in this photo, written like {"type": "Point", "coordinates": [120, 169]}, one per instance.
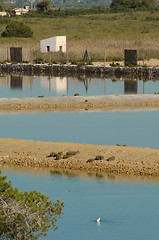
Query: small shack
{"type": "Point", "coordinates": [53, 44]}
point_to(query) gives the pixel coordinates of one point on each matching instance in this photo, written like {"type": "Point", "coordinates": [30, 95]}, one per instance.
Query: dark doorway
{"type": "Point", "coordinates": [16, 54]}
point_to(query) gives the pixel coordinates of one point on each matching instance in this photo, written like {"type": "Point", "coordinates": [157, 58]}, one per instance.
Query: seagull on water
{"type": "Point", "coordinates": [98, 220]}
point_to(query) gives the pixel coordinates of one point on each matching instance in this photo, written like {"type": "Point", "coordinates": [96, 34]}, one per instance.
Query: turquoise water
{"type": "Point", "coordinates": [33, 86]}
{"type": "Point", "coordinates": [105, 128]}
{"type": "Point", "coordinates": [129, 210]}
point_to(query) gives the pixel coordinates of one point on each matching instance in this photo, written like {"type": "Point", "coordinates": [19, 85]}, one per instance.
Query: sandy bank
{"type": "Point", "coordinates": [117, 159]}
{"type": "Point", "coordinates": [79, 103]}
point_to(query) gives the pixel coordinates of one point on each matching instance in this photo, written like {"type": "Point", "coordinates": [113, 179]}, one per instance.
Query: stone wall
{"type": "Point", "coordinates": [69, 70]}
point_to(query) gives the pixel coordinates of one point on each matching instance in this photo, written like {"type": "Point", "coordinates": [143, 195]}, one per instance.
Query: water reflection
{"type": "Point", "coordinates": [72, 174]}
{"type": "Point", "coordinates": [16, 82]}
{"type": "Point", "coordinates": [130, 87]}
{"type": "Point", "coordinates": [57, 84]}
{"type": "Point", "coordinates": [33, 86]}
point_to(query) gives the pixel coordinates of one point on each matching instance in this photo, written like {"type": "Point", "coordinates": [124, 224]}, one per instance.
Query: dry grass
{"type": "Point", "coordinates": [105, 36]}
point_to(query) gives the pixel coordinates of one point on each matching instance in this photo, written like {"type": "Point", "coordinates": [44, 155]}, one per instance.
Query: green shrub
{"type": "Point", "coordinates": [39, 60]}
{"type": "Point", "coordinates": [17, 29]}
{"type": "Point", "coordinates": [58, 156]}
{"type": "Point", "coordinates": [52, 154]}
{"type": "Point", "coordinates": [122, 145]}
{"type": "Point", "coordinates": [43, 6]}
{"type": "Point", "coordinates": [110, 158]}
{"type": "Point", "coordinates": [70, 154]}
{"type": "Point", "coordinates": [99, 157]}
{"type": "Point", "coordinates": [90, 160]}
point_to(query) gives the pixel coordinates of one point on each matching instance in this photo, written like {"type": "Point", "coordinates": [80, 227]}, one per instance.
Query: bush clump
{"type": "Point", "coordinates": [110, 158]}
{"type": "Point", "coordinates": [17, 29]}
{"type": "Point", "coordinates": [90, 160]}
{"type": "Point", "coordinates": [57, 156]}
{"type": "Point", "coordinates": [70, 154]}
{"type": "Point", "coordinates": [99, 157]}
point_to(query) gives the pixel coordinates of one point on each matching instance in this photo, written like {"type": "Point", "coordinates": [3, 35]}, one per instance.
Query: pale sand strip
{"type": "Point", "coordinates": [79, 103]}
{"type": "Point", "coordinates": [126, 160]}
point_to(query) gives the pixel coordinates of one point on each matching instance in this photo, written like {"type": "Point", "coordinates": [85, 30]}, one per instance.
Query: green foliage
{"type": "Point", "coordinates": [121, 145]}
{"type": "Point", "coordinates": [17, 29]}
{"type": "Point", "coordinates": [70, 154]}
{"type": "Point", "coordinates": [59, 155]}
{"type": "Point", "coordinates": [122, 5]}
{"type": "Point", "coordinates": [90, 160]}
{"type": "Point", "coordinates": [110, 158]}
{"type": "Point", "coordinates": [43, 6]}
{"type": "Point", "coordinates": [26, 215]}
{"type": "Point", "coordinates": [52, 154]}
{"type": "Point", "coordinates": [4, 20]}
{"type": "Point", "coordinates": [2, 6]}
{"type": "Point", "coordinates": [42, 12]}
{"type": "Point", "coordinates": [99, 157]}
{"type": "Point", "coordinates": [39, 60]}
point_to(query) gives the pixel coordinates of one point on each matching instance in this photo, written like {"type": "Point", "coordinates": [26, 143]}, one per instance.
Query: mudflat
{"type": "Point", "coordinates": [90, 158]}
{"type": "Point", "coordinates": [76, 103]}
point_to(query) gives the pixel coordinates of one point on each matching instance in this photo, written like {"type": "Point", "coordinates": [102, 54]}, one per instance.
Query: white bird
{"type": "Point", "coordinates": [98, 220]}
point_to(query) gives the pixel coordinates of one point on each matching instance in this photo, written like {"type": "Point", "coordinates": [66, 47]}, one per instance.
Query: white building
{"type": "Point", "coordinates": [20, 11]}
{"type": "Point", "coordinates": [3, 14]}
{"type": "Point", "coordinates": [53, 44]}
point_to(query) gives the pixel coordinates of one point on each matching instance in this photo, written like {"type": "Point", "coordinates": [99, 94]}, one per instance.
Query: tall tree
{"type": "Point", "coordinates": [26, 215]}
{"type": "Point", "coordinates": [43, 6]}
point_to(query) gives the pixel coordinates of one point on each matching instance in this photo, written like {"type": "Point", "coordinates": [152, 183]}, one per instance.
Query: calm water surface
{"type": "Point", "coordinates": [129, 210]}
{"type": "Point", "coordinates": [105, 128]}
{"type": "Point", "coordinates": [33, 86]}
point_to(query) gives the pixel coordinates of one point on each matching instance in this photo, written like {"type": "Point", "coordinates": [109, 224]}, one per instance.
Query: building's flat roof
{"type": "Point", "coordinates": [53, 37]}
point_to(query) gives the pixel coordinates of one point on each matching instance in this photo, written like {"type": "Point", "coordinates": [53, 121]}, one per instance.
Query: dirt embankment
{"type": "Point", "coordinates": [79, 103]}
{"type": "Point", "coordinates": [115, 159]}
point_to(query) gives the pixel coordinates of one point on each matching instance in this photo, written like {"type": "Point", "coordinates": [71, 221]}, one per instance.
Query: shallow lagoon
{"type": "Point", "coordinates": [129, 209]}
{"type": "Point", "coordinates": [100, 128]}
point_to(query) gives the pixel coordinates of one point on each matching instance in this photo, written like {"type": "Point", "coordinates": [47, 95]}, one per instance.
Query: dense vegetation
{"type": "Point", "coordinates": [17, 29]}
{"type": "Point", "coordinates": [26, 215]}
{"type": "Point", "coordinates": [62, 4]}
{"type": "Point", "coordinates": [48, 12]}
{"type": "Point", "coordinates": [125, 5]}
{"type": "Point", "coordinates": [43, 6]}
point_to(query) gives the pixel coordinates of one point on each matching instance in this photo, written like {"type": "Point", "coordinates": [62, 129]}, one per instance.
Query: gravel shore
{"type": "Point", "coordinates": [114, 159]}
{"type": "Point", "coordinates": [76, 103]}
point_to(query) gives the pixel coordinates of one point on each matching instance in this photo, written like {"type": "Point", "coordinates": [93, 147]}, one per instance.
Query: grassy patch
{"type": "Point", "coordinates": [103, 41]}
